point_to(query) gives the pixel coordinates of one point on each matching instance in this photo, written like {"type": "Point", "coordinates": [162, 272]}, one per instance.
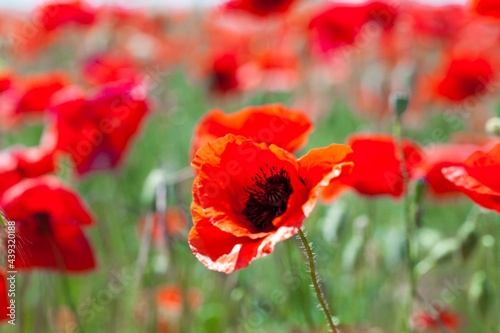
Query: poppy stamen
{"type": "Point", "coordinates": [268, 197]}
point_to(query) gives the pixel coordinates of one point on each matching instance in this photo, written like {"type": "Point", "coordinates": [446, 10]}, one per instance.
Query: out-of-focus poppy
{"type": "Point", "coordinates": [478, 178]}
{"type": "Point", "coordinates": [6, 79]}
{"type": "Point", "coordinates": [423, 321]}
{"type": "Point", "coordinates": [18, 163]}
{"type": "Point", "coordinates": [260, 7]}
{"type": "Point", "coordinates": [249, 196]}
{"type": "Point", "coordinates": [272, 124]}
{"type": "Point", "coordinates": [30, 95]}
{"type": "Point", "coordinates": [439, 156]}
{"type": "Point", "coordinates": [54, 15]}
{"type": "Point", "coordinates": [465, 77]}
{"type": "Point", "coordinates": [487, 7]}
{"type": "Point", "coordinates": [168, 302]}
{"type": "Point", "coordinates": [48, 219]}
{"type": "Point", "coordinates": [441, 23]}
{"type": "Point", "coordinates": [337, 25]}
{"type": "Point", "coordinates": [106, 68]}
{"type": "Point", "coordinates": [97, 130]}
{"type": "Point", "coordinates": [377, 166]}
{"type": "Point", "coordinates": [176, 223]}
{"type": "Point", "coordinates": [223, 73]}
{"type": "Point", "coordinates": [4, 298]}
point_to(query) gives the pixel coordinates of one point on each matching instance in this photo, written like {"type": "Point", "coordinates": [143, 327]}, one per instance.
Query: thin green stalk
{"type": "Point", "coordinates": [408, 220]}
{"type": "Point", "coordinates": [316, 282]}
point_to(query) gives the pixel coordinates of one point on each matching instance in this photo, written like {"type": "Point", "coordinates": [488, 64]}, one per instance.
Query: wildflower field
{"type": "Point", "coordinates": [284, 166]}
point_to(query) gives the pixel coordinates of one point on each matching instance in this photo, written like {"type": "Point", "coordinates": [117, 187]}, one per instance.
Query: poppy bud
{"type": "Point", "coordinates": [468, 238]}
{"type": "Point", "coordinates": [493, 126]}
{"type": "Point", "coordinates": [480, 292]}
{"type": "Point", "coordinates": [399, 102]}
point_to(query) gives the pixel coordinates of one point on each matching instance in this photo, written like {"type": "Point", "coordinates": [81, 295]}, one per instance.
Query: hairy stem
{"type": "Point", "coordinates": [315, 281]}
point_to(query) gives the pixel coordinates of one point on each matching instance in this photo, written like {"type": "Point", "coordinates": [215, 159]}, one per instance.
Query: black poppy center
{"type": "Point", "coordinates": [268, 197]}
{"type": "Point", "coordinates": [43, 220]}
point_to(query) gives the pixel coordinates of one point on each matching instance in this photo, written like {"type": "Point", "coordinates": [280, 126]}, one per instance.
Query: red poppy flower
{"type": "Point", "coordinates": [52, 16]}
{"type": "Point", "coordinates": [97, 130]}
{"type": "Point", "coordinates": [106, 68]}
{"type": "Point", "coordinates": [377, 166]}
{"type": "Point", "coordinates": [4, 299]}
{"type": "Point", "coordinates": [48, 219]}
{"type": "Point", "coordinates": [18, 163]}
{"type": "Point", "coordinates": [272, 124]}
{"type": "Point", "coordinates": [5, 81]}
{"type": "Point", "coordinates": [465, 77]}
{"type": "Point", "coordinates": [487, 7]}
{"type": "Point", "coordinates": [436, 22]}
{"type": "Point", "coordinates": [338, 25]}
{"type": "Point", "coordinates": [260, 7]}
{"type": "Point", "coordinates": [223, 73]}
{"type": "Point", "coordinates": [249, 196]}
{"type": "Point", "coordinates": [31, 95]}
{"type": "Point", "coordinates": [441, 156]}
{"type": "Point", "coordinates": [478, 178]}
{"type": "Point", "coordinates": [422, 320]}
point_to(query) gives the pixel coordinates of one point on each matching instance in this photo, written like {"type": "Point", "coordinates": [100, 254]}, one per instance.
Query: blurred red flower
{"type": "Point", "coordinates": [248, 196]}
{"type": "Point", "coordinates": [464, 77]}
{"type": "Point", "coordinates": [223, 73]}
{"type": "Point", "coordinates": [18, 163]}
{"type": "Point", "coordinates": [272, 124]}
{"type": "Point", "coordinates": [48, 219]}
{"type": "Point", "coordinates": [260, 7]}
{"type": "Point", "coordinates": [487, 7]}
{"type": "Point", "coordinates": [4, 299]}
{"type": "Point", "coordinates": [443, 23]}
{"type": "Point", "coordinates": [53, 15]}
{"type": "Point", "coordinates": [423, 321]}
{"type": "Point", "coordinates": [478, 177]}
{"type": "Point", "coordinates": [439, 156]}
{"type": "Point", "coordinates": [30, 95]}
{"type": "Point", "coordinates": [110, 67]}
{"type": "Point", "coordinates": [377, 166]}
{"type": "Point", "coordinates": [176, 223]}
{"type": "Point", "coordinates": [6, 79]}
{"type": "Point", "coordinates": [337, 25]}
{"type": "Point", "coordinates": [96, 130]}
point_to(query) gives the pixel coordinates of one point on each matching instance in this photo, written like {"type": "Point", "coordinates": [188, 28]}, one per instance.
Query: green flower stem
{"type": "Point", "coordinates": [315, 281]}
{"type": "Point", "coordinates": [408, 220]}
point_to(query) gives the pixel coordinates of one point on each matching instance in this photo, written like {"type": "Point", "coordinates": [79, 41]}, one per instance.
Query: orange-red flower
{"type": "Point", "coordinates": [175, 222]}
{"type": "Point", "coordinates": [260, 7]}
{"type": "Point", "coordinates": [487, 7]}
{"type": "Point", "coordinates": [377, 166]}
{"type": "Point", "coordinates": [423, 321]}
{"type": "Point", "coordinates": [249, 196]}
{"type": "Point", "coordinates": [272, 124]}
{"type": "Point", "coordinates": [465, 77]}
{"type": "Point", "coordinates": [48, 219]}
{"type": "Point", "coordinates": [478, 178]}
